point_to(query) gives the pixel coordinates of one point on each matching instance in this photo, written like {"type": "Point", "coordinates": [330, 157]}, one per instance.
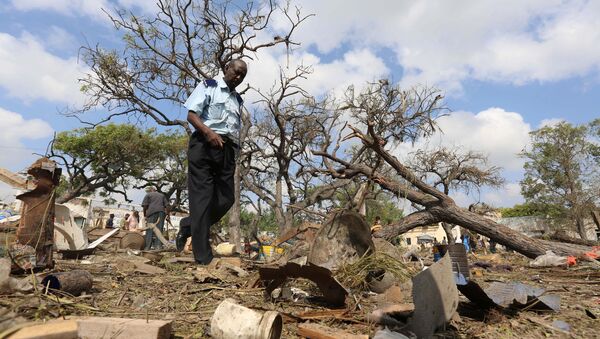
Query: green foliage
{"type": "Point", "coordinates": [266, 222]}
{"type": "Point", "coordinates": [115, 157]}
{"type": "Point", "coordinates": [379, 203]}
{"type": "Point", "coordinates": [385, 208]}
{"type": "Point", "coordinates": [527, 210]}
{"type": "Point", "coordinates": [108, 148]}
{"type": "Point", "coordinates": [561, 170]}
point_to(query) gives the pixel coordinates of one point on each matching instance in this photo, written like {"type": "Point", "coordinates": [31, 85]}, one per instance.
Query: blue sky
{"type": "Point", "coordinates": [506, 67]}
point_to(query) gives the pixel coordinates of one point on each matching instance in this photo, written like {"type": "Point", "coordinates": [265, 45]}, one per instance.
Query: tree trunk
{"type": "Point", "coordinates": [234, 214]}
{"type": "Point", "coordinates": [562, 237]}
{"type": "Point", "coordinates": [236, 210]}
{"type": "Point", "coordinates": [503, 235]}
{"type": "Point", "coordinates": [278, 208]}
{"type": "Point", "coordinates": [581, 227]}
{"type": "Point", "coordinates": [448, 229]}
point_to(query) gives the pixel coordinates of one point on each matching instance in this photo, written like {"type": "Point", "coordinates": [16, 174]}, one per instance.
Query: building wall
{"type": "Point", "coordinates": [436, 231]}
{"type": "Point", "coordinates": [538, 226]}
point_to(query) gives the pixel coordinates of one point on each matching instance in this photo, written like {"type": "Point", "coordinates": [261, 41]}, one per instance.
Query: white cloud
{"type": "Point", "coordinates": [28, 71]}
{"type": "Point", "coordinates": [443, 43]}
{"type": "Point", "coordinates": [146, 6]}
{"type": "Point", "coordinates": [325, 77]}
{"type": "Point", "coordinates": [494, 131]}
{"type": "Point", "coordinates": [89, 8]}
{"type": "Point", "coordinates": [550, 122]}
{"type": "Point", "coordinates": [507, 196]}
{"type": "Point", "coordinates": [59, 39]}
{"type": "Point", "coordinates": [14, 155]}
{"type": "Point", "coordinates": [499, 134]}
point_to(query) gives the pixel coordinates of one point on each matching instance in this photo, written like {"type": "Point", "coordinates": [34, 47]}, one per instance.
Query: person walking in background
{"type": "Point", "coordinates": [376, 225]}
{"type": "Point", "coordinates": [123, 223]}
{"type": "Point", "coordinates": [133, 221]}
{"type": "Point", "coordinates": [155, 209]}
{"type": "Point", "coordinates": [110, 223]}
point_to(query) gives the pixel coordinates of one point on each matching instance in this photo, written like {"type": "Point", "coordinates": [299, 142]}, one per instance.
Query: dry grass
{"type": "Point", "coordinates": [357, 275]}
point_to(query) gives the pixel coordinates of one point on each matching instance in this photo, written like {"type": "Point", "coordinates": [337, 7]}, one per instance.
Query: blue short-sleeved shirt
{"type": "Point", "coordinates": [218, 108]}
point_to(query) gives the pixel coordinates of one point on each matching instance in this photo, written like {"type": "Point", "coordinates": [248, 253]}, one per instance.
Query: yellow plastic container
{"type": "Point", "coordinates": [269, 250]}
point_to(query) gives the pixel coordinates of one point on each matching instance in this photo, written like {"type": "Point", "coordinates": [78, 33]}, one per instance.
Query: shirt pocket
{"type": "Point", "coordinates": [217, 111]}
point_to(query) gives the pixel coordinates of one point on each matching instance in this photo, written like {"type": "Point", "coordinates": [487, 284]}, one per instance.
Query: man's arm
{"type": "Point", "coordinates": [145, 204]}
{"type": "Point", "coordinates": [213, 138]}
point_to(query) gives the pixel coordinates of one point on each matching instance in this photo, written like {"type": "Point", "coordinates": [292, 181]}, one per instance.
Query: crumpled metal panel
{"type": "Point", "coordinates": [510, 295]}
{"type": "Point", "coordinates": [333, 292]}
{"type": "Point", "coordinates": [36, 227]}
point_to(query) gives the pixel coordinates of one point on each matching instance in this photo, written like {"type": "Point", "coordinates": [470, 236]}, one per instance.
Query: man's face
{"type": "Point", "coordinates": [235, 72]}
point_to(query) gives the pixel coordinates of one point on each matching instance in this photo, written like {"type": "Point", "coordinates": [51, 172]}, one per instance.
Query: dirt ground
{"type": "Point", "coordinates": [119, 291]}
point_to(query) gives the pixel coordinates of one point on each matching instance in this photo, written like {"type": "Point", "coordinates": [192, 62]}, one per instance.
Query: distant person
{"type": "Point", "coordinates": [123, 224]}
{"type": "Point", "coordinates": [444, 241]}
{"type": "Point", "coordinates": [111, 221]}
{"type": "Point", "coordinates": [155, 209]}
{"type": "Point", "coordinates": [185, 231]}
{"type": "Point", "coordinates": [492, 246]}
{"type": "Point", "coordinates": [133, 221]}
{"type": "Point", "coordinates": [376, 225]}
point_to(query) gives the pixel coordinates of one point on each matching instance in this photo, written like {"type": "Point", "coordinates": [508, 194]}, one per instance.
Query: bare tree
{"type": "Point", "coordinates": [289, 123]}
{"type": "Point", "coordinates": [165, 55]}
{"type": "Point", "coordinates": [386, 115]}
{"type": "Point", "coordinates": [449, 169]}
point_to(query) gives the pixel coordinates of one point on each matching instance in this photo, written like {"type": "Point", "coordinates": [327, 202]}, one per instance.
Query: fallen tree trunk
{"type": "Point", "coordinates": [562, 237]}
{"type": "Point", "coordinates": [451, 213]}
{"type": "Point", "coordinates": [391, 115]}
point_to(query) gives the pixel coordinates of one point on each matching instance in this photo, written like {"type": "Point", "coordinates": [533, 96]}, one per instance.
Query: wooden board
{"type": "Point", "coordinates": [315, 331]}
{"type": "Point", "coordinates": [63, 329]}
{"type": "Point", "coordinates": [123, 328]}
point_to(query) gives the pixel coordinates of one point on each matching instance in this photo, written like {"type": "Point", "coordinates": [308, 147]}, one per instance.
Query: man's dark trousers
{"type": "Point", "coordinates": [210, 188]}
{"type": "Point", "coordinates": [151, 239]}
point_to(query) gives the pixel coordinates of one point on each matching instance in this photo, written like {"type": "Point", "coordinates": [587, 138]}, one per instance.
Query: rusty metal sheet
{"type": "Point", "coordinates": [344, 239]}
{"type": "Point", "coordinates": [36, 227]}
{"type": "Point", "coordinates": [333, 292]}
{"type": "Point", "coordinates": [514, 295]}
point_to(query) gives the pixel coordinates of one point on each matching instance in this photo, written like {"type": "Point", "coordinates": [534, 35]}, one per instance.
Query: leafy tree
{"type": "Point", "coordinates": [521, 210]}
{"type": "Point", "coordinates": [107, 157]}
{"type": "Point", "coordinates": [384, 207]}
{"type": "Point", "coordinates": [561, 172]}
{"type": "Point", "coordinates": [114, 158]}
{"type": "Point", "coordinates": [169, 172]}
{"type": "Point", "coordinates": [377, 202]}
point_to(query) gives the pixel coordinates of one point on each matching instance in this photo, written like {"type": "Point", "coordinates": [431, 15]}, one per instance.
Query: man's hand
{"type": "Point", "coordinates": [213, 138]}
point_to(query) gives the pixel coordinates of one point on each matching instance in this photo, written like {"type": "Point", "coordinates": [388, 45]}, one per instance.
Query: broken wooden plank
{"type": "Point", "coordinates": [102, 238]}
{"type": "Point", "coordinates": [181, 259]}
{"type": "Point", "coordinates": [316, 331]}
{"type": "Point", "coordinates": [324, 314]}
{"type": "Point", "coordinates": [148, 269]}
{"type": "Point", "coordinates": [123, 328]}
{"type": "Point", "coordinates": [63, 329]}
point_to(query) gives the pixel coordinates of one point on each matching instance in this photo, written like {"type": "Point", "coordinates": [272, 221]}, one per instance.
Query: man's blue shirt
{"type": "Point", "coordinates": [218, 108]}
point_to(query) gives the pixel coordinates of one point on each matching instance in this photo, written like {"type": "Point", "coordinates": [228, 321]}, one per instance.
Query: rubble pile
{"type": "Point", "coordinates": [344, 285]}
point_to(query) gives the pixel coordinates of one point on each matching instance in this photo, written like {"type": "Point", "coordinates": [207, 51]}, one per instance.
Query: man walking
{"type": "Point", "coordinates": [214, 110]}
{"type": "Point", "coordinates": [155, 209]}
